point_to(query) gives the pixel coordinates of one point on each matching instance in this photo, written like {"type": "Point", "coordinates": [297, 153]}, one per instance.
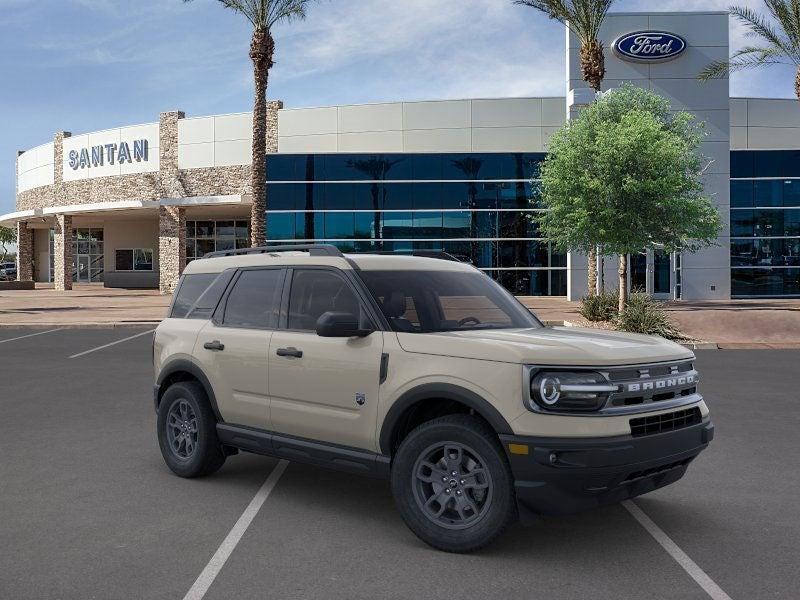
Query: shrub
{"type": "Point", "coordinates": [601, 307]}
{"type": "Point", "coordinates": [645, 315]}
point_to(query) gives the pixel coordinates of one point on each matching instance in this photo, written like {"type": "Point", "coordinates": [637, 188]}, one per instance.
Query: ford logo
{"type": "Point", "coordinates": [649, 46]}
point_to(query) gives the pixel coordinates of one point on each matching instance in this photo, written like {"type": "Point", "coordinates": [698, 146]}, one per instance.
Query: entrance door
{"type": "Point", "coordinates": [83, 269]}
{"type": "Point", "coordinates": [662, 272]}
{"type": "Point", "coordinates": [638, 268]}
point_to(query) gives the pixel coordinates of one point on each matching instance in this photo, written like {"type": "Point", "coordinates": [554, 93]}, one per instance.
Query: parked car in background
{"type": "Point", "coordinates": [8, 271]}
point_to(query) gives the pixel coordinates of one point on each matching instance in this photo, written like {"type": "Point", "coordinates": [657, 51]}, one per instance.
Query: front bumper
{"type": "Point", "coordinates": [567, 475]}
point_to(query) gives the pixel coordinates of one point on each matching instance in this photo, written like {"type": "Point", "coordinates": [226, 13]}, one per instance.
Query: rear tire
{"type": "Point", "coordinates": [459, 512]}
{"type": "Point", "coordinates": [187, 431]}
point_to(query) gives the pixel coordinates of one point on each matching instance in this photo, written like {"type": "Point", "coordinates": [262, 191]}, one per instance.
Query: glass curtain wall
{"type": "Point", "coordinates": [765, 223]}
{"type": "Point", "coordinates": [474, 206]}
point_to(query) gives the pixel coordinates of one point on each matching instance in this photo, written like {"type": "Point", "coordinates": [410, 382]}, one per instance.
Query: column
{"type": "Point", "coordinates": [62, 250]}
{"type": "Point", "coordinates": [24, 252]}
{"type": "Point", "coordinates": [171, 246]}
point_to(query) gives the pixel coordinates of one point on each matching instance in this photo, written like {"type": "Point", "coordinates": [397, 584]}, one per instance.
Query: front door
{"type": "Point", "coordinates": [83, 269]}
{"type": "Point", "coordinates": [232, 348]}
{"type": "Point", "coordinates": [324, 388]}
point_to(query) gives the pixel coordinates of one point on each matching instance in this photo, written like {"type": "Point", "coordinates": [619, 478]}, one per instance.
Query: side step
{"type": "Point", "coordinates": [332, 456]}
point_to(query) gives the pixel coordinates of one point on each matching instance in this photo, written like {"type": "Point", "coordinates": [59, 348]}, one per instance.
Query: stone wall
{"type": "Point", "coordinates": [24, 252]}
{"type": "Point", "coordinates": [171, 246]}
{"type": "Point", "coordinates": [62, 251]}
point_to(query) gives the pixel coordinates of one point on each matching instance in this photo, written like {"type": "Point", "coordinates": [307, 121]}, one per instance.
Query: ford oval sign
{"type": "Point", "coordinates": [649, 46]}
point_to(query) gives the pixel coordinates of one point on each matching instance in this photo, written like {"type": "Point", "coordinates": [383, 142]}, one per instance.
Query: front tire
{"type": "Point", "coordinates": [453, 485]}
{"type": "Point", "coordinates": [187, 431]}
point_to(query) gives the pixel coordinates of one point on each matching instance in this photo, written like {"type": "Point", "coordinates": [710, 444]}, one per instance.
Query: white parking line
{"type": "Point", "coordinates": [214, 566]}
{"type": "Point", "coordinates": [694, 571]}
{"type": "Point", "coordinates": [22, 337]}
{"type": "Point", "coordinates": [111, 344]}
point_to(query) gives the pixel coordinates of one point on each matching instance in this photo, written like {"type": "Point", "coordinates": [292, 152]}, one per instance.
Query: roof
{"type": "Point", "coordinates": [366, 262]}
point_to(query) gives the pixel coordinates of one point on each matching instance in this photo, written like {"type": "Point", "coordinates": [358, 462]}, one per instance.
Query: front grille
{"type": "Point", "coordinates": [637, 475]}
{"type": "Point", "coordinates": [652, 383]}
{"type": "Point", "coordinates": [665, 422]}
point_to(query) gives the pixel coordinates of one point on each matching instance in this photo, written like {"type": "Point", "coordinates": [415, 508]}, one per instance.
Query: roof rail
{"type": "Point", "coordinates": [312, 249]}
{"type": "Point", "coordinates": [440, 254]}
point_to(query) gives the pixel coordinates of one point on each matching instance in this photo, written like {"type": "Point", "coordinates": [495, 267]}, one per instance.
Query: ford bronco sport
{"type": "Point", "coordinates": [423, 371]}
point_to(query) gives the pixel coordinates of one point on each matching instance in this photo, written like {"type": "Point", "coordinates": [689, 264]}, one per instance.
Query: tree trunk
{"type": "Point", "coordinates": [593, 64]}
{"type": "Point", "coordinates": [593, 70]}
{"type": "Point", "coordinates": [262, 48]}
{"type": "Point", "coordinates": [623, 282]}
{"type": "Point", "coordinates": [797, 84]}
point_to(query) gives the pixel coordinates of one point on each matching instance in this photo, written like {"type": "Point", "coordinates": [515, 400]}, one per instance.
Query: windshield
{"type": "Point", "coordinates": [435, 301]}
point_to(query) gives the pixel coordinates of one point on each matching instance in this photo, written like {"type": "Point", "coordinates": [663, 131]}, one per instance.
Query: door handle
{"type": "Point", "coordinates": [293, 352]}
{"type": "Point", "coordinates": [215, 345]}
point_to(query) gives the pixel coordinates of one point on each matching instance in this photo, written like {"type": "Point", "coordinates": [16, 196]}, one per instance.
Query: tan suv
{"type": "Point", "coordinates": [423, 371]}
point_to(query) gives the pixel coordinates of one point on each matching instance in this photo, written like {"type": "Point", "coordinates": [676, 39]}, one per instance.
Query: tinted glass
{"type": "Point", "coordinates": [204, 307]}
{"type": "Point", "coordinates": [254, 299]}
{"type": "Point", "coordinates": [190, 289]}
{"type": "Point", "coordinates": [742, 164]}
{"type": "Point", "coordinates": [436, 301]}
{"type": "Point", "coordinates": [315, 292]}
{"type": "Point", "coordinates": [123, 260]}
{"type": "Point", "coordinates": [741, 194]}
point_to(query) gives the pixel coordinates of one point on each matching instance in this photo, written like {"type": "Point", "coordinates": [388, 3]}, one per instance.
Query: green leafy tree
{"type": "Point", "coordinates": [8, 236]}
{"type": "Point", "coordinates": [584, 19]}
{"type": "Point", "coordinates": [263, 15]}
{"type": "Point", "coordinates": [778, 40]}
{"type": "Point", "coordinates": [626, 175]}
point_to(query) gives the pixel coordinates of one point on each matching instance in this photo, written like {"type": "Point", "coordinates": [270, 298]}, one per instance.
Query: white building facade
{"type": "Point", "coordinates": [128, 207]}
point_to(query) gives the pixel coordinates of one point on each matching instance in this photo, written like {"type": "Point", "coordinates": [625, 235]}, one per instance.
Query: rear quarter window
{"type": "Point", "coordinates": [190, 289]}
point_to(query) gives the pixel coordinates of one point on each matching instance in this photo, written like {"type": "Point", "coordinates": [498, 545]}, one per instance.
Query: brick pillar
{"type": "Point", "coordinates": [24, 252]}
{"type": "Point", "coordinates": [62, 249]}
{"type": "Point", "coordinates": [171, 246]}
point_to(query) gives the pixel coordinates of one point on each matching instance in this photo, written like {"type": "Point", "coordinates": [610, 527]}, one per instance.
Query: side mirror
{"type": "Point", "coordinates": [338, 324]}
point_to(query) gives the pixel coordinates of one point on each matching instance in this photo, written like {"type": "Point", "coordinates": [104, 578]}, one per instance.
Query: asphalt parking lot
{"type": "Point", "coordinates": [88, 509]}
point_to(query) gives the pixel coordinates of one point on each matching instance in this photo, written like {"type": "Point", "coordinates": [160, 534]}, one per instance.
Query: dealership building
{"type": "Point", "coordinates": [130, 206]}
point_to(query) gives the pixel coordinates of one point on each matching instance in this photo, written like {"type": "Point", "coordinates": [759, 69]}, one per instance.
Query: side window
{"type": "Point", "coordinates": [254, 300]}
{"type": "Point", "coordinates": [315, 292]}
{"type": "Point", "coordinates": [192, 286]}
{"type": "Point", "coordinates": [208, 300]}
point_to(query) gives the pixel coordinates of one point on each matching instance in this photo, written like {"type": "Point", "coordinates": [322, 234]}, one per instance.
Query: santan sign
{"type": "Point", "coordinates": [649, 46]}
{"type": "Point", "coordinates": [97, 156]}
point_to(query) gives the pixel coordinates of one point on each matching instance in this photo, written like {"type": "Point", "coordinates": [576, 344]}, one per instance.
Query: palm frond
{"type": "Point", "coordinates": [759, 26]}
{"type": "Point", "coordinates": [745, 58]}
{"type": "Point", "coordinates": [583, 17]}
{"type": "Point", "coordinates": [785, 13]}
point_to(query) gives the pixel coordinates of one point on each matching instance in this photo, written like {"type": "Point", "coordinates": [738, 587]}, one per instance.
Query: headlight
{"type": "Point", "coordinates": [570, 391]}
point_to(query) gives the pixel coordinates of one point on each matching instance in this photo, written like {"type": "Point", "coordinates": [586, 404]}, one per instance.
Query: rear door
{"type": "Point", "coordinates": [324, 389]}
{"type": "Point", "coordinates": [232, 348]}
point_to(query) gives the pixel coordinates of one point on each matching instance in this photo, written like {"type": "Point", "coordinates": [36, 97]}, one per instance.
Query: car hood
{"type": "Point", "coordinates": [547, 346]}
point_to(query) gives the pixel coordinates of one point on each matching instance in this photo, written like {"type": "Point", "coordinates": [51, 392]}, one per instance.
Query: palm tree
{"type": "Point", "coordinates": [584, 19]}
{"type": "Point", "coordinates": [779, 41]}
{"type": "Point", "coordinates": [263, 15]}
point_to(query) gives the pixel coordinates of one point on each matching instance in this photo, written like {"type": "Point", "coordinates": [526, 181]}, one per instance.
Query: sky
{"type": "Point", "coordinates": [86, 65]}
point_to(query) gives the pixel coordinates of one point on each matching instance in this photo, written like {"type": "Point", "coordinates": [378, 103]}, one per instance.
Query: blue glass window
{"type": "Point", "coordinates": [339, 225]}
{"type": "Point", "coordinates": [457, 224]}
{"type": "Point", "coordinates": [768, 193]}
{"type": "Point", "coordinates": [741, 194]}
{"type": "Point", "coordinates": [742, 164]}
{"type": "Point", "coordinates": [427, 225]}
{"type": "Point", "coordinates": [365, 225]}
{"type": "Point", "coordinates": [280, 226]}
{"type": "Point", "coordinates": [765, 282]}
{"type": "Point", "coordinates": [426, 166]}
{"type": "Point", "coordinates": [397, 196]}
{"type": "Point", "coordinates": [339, 196]}
{"type": "Point", "coordinates": [282, 196]}
{"type": "Point", "coordinates": [398, 225]}
{"type": "Point", "coordinates": [791, 192]}
{"type": "Point", "coordinates": [426, 195]}
{"type": "Point", "coordinates": [768, 163]}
